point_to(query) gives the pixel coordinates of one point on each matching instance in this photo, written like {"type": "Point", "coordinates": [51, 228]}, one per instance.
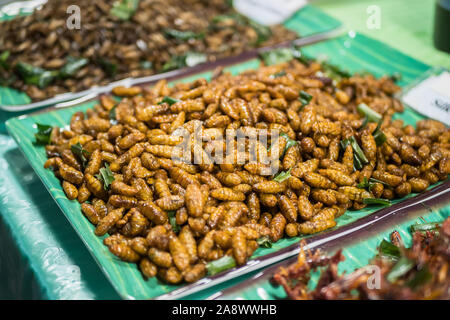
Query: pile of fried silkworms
{"type": "Point", "coordinates": [164, 172]}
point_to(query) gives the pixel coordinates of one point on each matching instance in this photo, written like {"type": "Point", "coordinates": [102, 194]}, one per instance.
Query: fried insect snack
{"type": "Point", "coordinates": [44, 57]}
{"type": "Point", "coordinates": [174, 179]}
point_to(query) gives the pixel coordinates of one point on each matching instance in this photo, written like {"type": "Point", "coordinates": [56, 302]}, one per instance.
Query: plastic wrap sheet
{"type": "Point", "coordinates": [41, 257]}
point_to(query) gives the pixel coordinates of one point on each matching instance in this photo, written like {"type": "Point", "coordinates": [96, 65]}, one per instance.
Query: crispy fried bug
{"type": "Point", "coordinates": [253, 206]}
{"type": "Point", "coordinates": [338, 177]}
{"type": "Point", "coordinates": [277, 225]}
{"type": "Point", "coordinates": [70, 190]}
{"type": "Point", "coordinates": [354, 193]}
{"type": "Point", "coordinates": [316, 180]}
{"type": "Point", "coordinates": [106, 223]}
{"type": "Point", "coordinates": [287, 208]}
{"type": "Point", "coordinates": [270, 187]}
{"type": "Point", "coordinates": [124, 252]}
{"type": "Point", "coordinates": [310, 227]}
{"type": "Point", "coordinates": [239, 246]}
{"type": "Point", "coordinates": [206, 245]}
{"type": "Point", "coordinates": [148, 268]}
{"type": "Point", "coordinates": [152, 212]}
{"type": "Point", "coordinates": [194, 200]}
{"type": "Point", "coordinates": [90, 213]}
{"type": "Point", "coordinates": [139, 245]}
{"type": "Point", "coordinates": [160, 258]}
{"type": "Point", "coordinates": [227, 194]}
{"type": "Point", "coordinates": [387, 178]}
{"type": "Point", "coordinates": [187, 239]}
{"type": "Point", "coordinates": [179, 253]}
{"type": "Point", "coordinates": [170, 275]}
{"type": "Point", "coordinates": [195, 273]}
{"type": "Point", "coordinates": [305, 208]}
{"type": "Point", "coordinates": [170, 203]}
{"type": "Point", "coordinates": [418, 184]}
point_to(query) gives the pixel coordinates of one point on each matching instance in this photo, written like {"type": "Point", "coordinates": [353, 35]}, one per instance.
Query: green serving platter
{"type": "Point", "coordinates": [354, 52]}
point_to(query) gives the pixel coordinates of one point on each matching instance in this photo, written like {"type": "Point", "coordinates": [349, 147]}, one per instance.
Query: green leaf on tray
{"type": "Point", "coordinates": [146, 64]}
{"type": "Point", "coordinates": [124, 9]}
{"type": "Point", "coordinates": [264, 242]}
{"type": "Point", "coordinates": [43, 134]}
{"type": "Point", "coordinates": [276, 56]}
{"type": "Point", "coordinates": [35, 75]}
{"type": "Point", "coordinates": [3, 60]}
{"type": "Point", "coordinates": [81, 153]}
{"type": "Point", "coordinates": [402, 267]}
{"type": "Point", "coordinates": [370, 114]}
{"type": "Point", "coordinates": [169, 100]}
{"type": "Point", "coordinates": [389, 250]}
{"type": "Point", "coordinates": [224, 263]}
{"type": "Point", "coordinates": [183, 35]}
{"type": "Point", "coordinates": [105, 176]}
{"type": "Point", "coordinates": [283, 175]}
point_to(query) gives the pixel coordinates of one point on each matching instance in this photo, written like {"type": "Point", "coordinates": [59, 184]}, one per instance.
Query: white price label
{"type": "Point", "coordinates": [431, 97]}
{"type": "Point", "coordinates": [268, 12]}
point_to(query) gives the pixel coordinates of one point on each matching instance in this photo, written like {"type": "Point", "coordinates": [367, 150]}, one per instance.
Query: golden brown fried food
{"type": "Point", "coordinates": [187, 184]}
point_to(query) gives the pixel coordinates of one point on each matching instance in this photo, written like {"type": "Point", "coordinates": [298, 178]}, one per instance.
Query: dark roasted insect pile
{"type": "Point", "coordinates": [172, 217]}
{"type": "Point", "coordinates": [42, 56]}
{"type": "Point", "coordinates": [419, 272]}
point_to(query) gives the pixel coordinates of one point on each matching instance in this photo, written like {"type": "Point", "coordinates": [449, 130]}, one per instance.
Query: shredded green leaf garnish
{"type": "Point", "coordinates": [109, 67]}
{"type": "Point", "coordinates": [368, 184]}
{"type": "Point", "coordinates": [183, 35]}
{"type": "Point", "coordinates": [264, 242]}
{"type": "Point", "coordinates": [389, 250]}
{"type": "Point", "coordinates": [224, 263]}
{"type": "Point", "coordinates": [403, 266]}
{"type": "Point", "coordinates": [173, 222]}
{"type": "Point", "coordinates": [81, 153]}
{"type": "Point", "coordinates": [283, 175]}
{"type": "Point", "coordinates": [426, 226]}
{"type": "Point", "coordinates": [169, 100]}
{"type": "Point", "coordinates": [105, 176]}
{"type": "Point", "coordinates": [370, 114]}
{"type": "Point", "coordinates": [359, 158]}
{"type": "Point", "coordinates": [35, 75]}
{"type": "Point", "coordinates": [124, 9]}
{"type": "Point", "coordinates": [189, 59]}
{"type": "Point", "coordinates": [43, 134]}
{"type": "Point", "coordinates": [379, 135]}
{"type": "Point", "coordinates": [384, 202]}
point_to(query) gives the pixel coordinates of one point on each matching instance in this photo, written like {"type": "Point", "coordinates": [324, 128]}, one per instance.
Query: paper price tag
{"type": "Point", "coordinates": [268, 12]}
{"type": "Point", "coordinates": [431, 97]}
